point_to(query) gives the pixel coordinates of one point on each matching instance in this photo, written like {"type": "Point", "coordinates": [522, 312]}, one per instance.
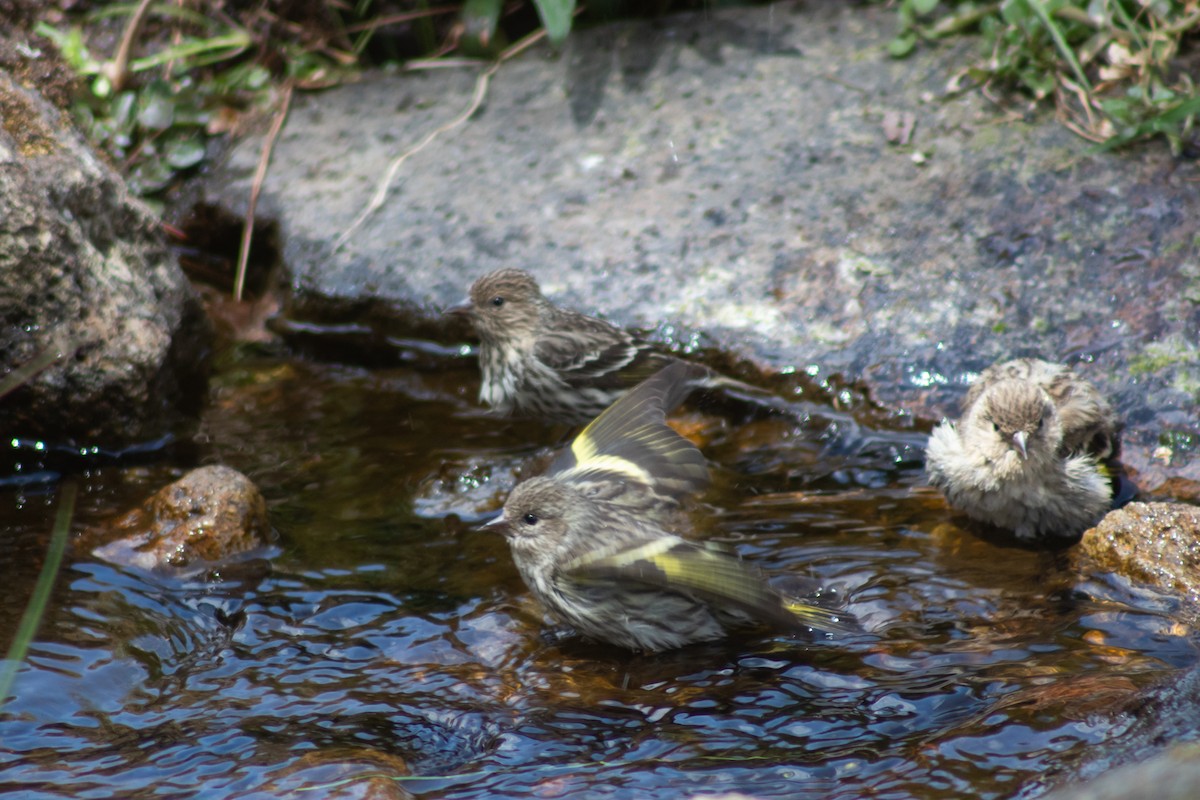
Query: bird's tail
{"type": "Point", "coordinates": [810, 616]}
{"type": "Point", "coordinates": [708, 572]}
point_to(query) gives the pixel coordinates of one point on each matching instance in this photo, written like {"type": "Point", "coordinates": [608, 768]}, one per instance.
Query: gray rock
{"type": "Point", "coordinates": [85, 273]}
{"type": "Point", "coordinates": [1158, 758]}
{"type": "Point", "coordinates": [1174, 775]}
{"type": "Point", "coordinates": [726, 178]}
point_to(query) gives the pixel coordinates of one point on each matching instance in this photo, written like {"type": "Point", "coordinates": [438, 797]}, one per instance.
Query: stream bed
{"type": "Point", "coordinates": [382, 646]}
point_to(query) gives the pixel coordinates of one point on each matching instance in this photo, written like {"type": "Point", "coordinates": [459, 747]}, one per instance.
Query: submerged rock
{"type": "Point", "coordinates": [206, 516]}
{"type": "Point", "coordinates": [344, 773]}
{"type": "Point", "coordinates": [89, 290]}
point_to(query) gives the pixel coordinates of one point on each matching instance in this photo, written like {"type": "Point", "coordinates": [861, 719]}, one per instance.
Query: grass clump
{"type": "Point", "coordinates": [1117, 70]}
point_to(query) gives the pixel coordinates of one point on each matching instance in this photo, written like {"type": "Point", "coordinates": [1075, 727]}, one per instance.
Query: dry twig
{"type": "Point", "coordinates": [260, 175]}
{"type": "Point", "coordinates": [118, 68]}
{"type": "Point", "coordinates": [481, 86]}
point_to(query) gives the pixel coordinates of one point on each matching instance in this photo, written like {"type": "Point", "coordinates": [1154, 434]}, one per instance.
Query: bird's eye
{"type": "Point", "coordinates": [497, 301]}
{"type": "Point", "coordinates": [996, 427]}
{"type": "Point", "coordinates": [530, 519]}
{"type": "Point", "coordinates": [1041, 422]}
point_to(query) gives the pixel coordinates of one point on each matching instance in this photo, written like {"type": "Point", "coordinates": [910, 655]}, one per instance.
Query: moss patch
{"type": "Point", "coordinates": [23, 122]}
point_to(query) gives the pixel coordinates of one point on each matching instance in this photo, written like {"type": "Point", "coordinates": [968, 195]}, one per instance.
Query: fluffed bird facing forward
{"type": "Point", "coordinates": [591, 538]}
{"type": "Point", "coordinates": [542, 361]}
{"type": "Point", "coordinates": [1029, 453]}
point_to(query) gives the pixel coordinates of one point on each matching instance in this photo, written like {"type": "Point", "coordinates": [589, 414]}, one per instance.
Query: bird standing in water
{"type": "Point", "coordinates": [539, 360]}
{"type": "Point", "coordinates": [1030, 453]}
{"type": "Point", "coordinates": [593, 538]}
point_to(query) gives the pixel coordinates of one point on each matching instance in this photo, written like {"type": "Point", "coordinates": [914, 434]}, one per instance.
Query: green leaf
{"type": "Point", "coordinates": [158, 9]}
{"type": "Point", "coordinates": [1039, 82]}
{"type": "Point", "coordinates": [1040, 9]}
{"type": "Point", "coordinates": [122, 109]}
{"type": "Point", "coordinates": [157, 111]}
{"type": "Point", "coordinates": [188, 113]}
{"type": "Point", "coordinates": [184, 153]}
{"type": "Point", "coordinates": [479, 19]}
{"type": "Point", "coordinates": [1014, 12]}
{"type": "Point", "coordinates": [556, 17]}
{"type": "Point", "coordinates": [902, 45]}
{"type": "Point", "coordinates": [101, 86]}
{"type": "Point", "coordinates": [70, 46]}
{"type": "Point", "coordinates": [150, 175]}
{"type": "Point", "coordinates": [1115, 106]}
{"type": "Point", "coordinates": [924, 6]}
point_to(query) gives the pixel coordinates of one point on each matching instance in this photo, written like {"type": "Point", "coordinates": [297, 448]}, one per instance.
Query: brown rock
{"type": "Point", "coordinates": [1151, 543]}
{"type": "Point", "coordinates": [207, 515]}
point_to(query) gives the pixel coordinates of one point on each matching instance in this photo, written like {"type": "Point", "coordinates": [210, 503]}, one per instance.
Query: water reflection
{"type": "Point", "coordinates": [386, 636]}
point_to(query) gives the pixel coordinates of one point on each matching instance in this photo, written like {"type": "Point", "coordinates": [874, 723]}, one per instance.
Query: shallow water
{"type": "Point", "coordinates": [381, 634]}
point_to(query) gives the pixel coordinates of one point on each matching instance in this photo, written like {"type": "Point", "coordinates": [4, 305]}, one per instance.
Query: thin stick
{"type": "Point", "coordinates": [260, 175]}
{"type": "Point", "coordinates": [27, 371]}
{"type": "Point", "coordinates": [481, 85]}
{"type": "Point", "coordinates": [521, 45]}
{"type": "Point", "coordinates": [394, 18]}
{"type": "Point", "coordinates": [119, 69]}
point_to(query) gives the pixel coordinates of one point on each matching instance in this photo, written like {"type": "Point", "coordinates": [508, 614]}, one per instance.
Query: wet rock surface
{"type": "Point", "coordinates": [1174, 775]}
{"type": "Point", "coordinates": [727, 179]}
{"type": "Point", "coordinates": [208, 515]}
{"type": "Point", "coordinates": [88, 287]}
{"type": "Point", "coordinates": [1157, 758]}
{"type": "Point", "coordinates": [1156, 545]}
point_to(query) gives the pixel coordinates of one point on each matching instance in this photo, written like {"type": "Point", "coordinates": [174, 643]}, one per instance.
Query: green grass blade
{"type": "Point", "coordinates": [479, 20]}
{"type": "Point", "coordinates": [556, 17]}
{"type": "Point", "coordinates": [1061, 43]}
{"type": "Point", "coordinates": [1129, 24]}
{"type": "Point", "coordinates": [158, 10]}
{"type": "Point", "coordinates": [41, 592]}
{"type": "Point", "coordinates": [1174, 120]}
{"type": "Point", "coordinates": [200, 51]}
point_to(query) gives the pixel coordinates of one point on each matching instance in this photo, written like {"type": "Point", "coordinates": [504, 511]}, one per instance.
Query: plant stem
{"type": "Point", "coordinates": [260, 175]}
{"type": "Point", "coordinates": [41, 592]}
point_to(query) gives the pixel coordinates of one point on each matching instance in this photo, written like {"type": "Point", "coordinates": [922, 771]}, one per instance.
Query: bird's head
{"type": "Point", "coordinates": [504, 305]}
{"type": "Point", "coordinates": [1013, 426]}
{"type": "Point", "coordinates": [539, 516]}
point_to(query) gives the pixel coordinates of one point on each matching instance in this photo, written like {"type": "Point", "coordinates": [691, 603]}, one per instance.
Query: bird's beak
{"type": "Point", "coordinates": [495, 525]}
{"type": "Point", "coordinates": [463, 309]}
{"type": "Point", "coordinates": [1019, 439]}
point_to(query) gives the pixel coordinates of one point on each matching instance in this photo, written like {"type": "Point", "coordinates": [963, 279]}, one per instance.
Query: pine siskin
{"type": "Point", "coordinates": [543, 361]}
{"type": "Point", "coordinates": [1029, 453]}
{"type": "Point", "coordinates": [591, 540]}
